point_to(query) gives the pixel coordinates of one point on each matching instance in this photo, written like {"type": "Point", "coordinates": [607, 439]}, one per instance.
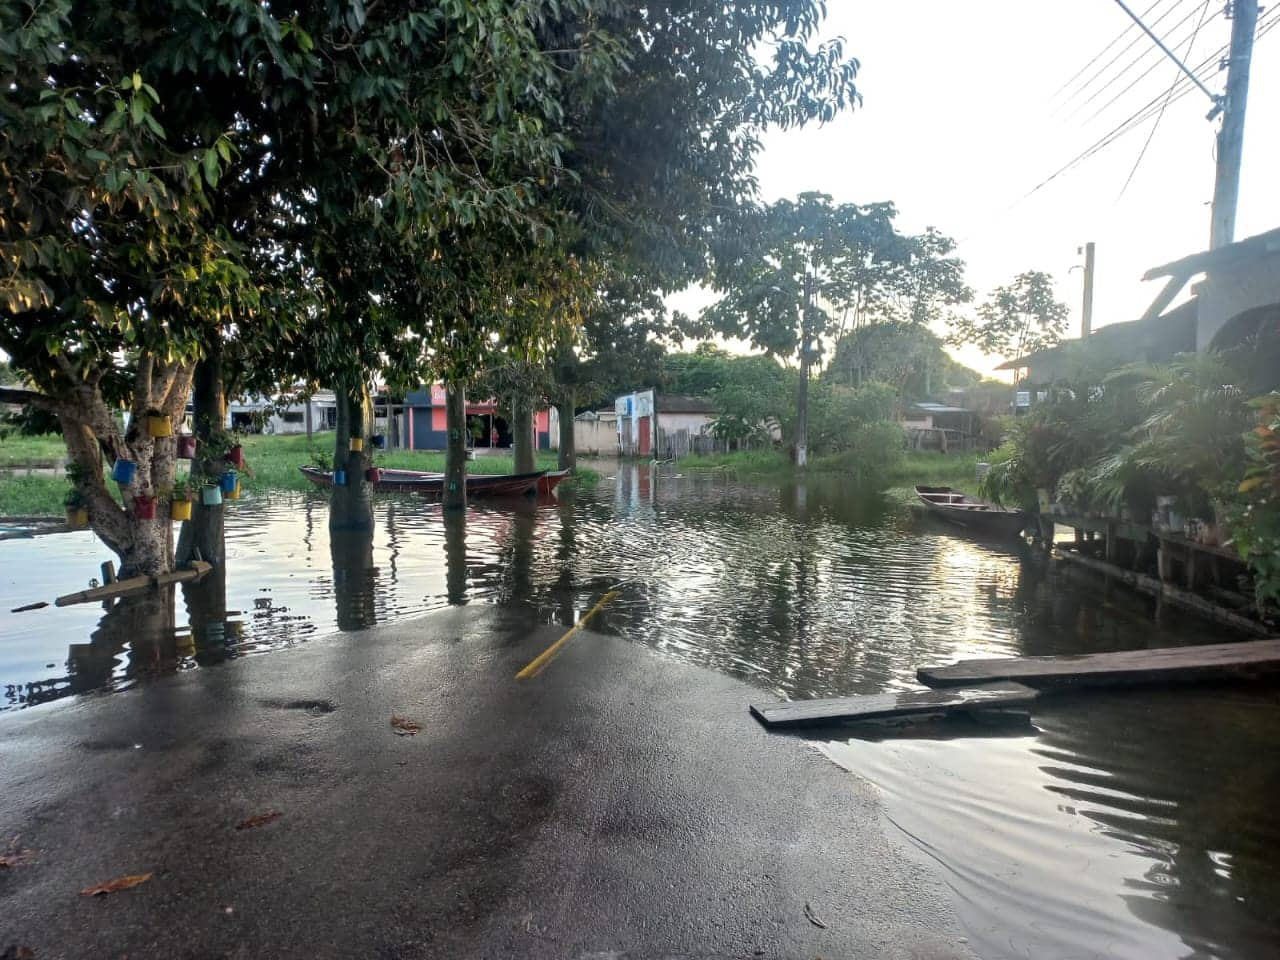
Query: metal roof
{"type": "Point", "coordinates": [940, 408]}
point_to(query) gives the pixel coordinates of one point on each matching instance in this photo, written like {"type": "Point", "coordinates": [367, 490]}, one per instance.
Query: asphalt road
{"type": "Point", "coordinates": [618, 805]}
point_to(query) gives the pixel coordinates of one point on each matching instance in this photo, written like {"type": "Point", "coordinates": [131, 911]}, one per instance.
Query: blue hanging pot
{"type": "Point", "coordinates": [122, 472]}
{"type": "Point", "coordinates": [211, 496]}
{"type": "Point", "coordinates": [339, 478]}
{"type": "Point", "coordinates": [380, 441]}
{"type": "Point", "coordinates": [227, 482]}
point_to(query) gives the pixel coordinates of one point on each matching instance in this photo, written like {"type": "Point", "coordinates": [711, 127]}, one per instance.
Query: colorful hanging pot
{"type": "Point", "coordinates": [180, 510]}
{"type": "Point", "coordinates": [77, 518]}
{"type": "Point", "coordinates": [235, 457]}
{"type": "Point", "coordinates": [227, 482]}
{"type": "Point", "coordinates": [122, 471]}
{"type": "Point", "coordinates": [357, 444]}
{"type": "Point", "coordinates": [211, 496]}
{"type": "Point", "coordinates": [373, 474]}
{"type": "Point", "coordinates": [339, 478]}
{"type": "Point", "coordinates": [158, 425]}
{"type": "Point", "coordinates": [186, 447]}
{"type": "Point", "coordinates": [379, 441]}
{"type": "Point", "coordinates": [234, 492]}
{"type": "Point", "coordinates": [144, 507]}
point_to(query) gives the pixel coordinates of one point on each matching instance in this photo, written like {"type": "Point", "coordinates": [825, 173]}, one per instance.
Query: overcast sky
{"type": "Point", "coordinates": [962, 118]}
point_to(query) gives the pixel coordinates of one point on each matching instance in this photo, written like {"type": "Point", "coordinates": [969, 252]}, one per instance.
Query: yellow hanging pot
{"type": "Point", "coordinates": [159, 425]}
{"type": "Point", "coordinates": [357, 444]}
{"type": "Point", "coordinates": [180, 510]}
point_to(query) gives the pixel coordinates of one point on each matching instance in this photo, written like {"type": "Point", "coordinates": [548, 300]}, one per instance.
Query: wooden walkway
{"type": "Point", "coordinates": [1217, 661]}
{"type": "Point", "coordinates": [884, 706]}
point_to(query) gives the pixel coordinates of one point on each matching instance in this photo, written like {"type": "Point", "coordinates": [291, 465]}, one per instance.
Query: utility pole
{"type": "Point", "coordinates": [1086, 313]}
{"type": "Point", "coordinates": [1226, 187]}
{"type": "Point", "coordinates": [802, 404]}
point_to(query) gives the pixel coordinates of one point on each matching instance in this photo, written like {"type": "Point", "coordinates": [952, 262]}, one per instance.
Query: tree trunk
{"type": "Point", "coordinates": [351, 506]}
{"type": "Point", "coordinates": [455, 555]}
{"type": "Point", "coordinates": [202, 537]}
{"type": "Point", "coordinates": [523, 443]}
{"type": "Point", "coordinates": [355, 578]}
{"type": "Point", "coordinates": [802, 412]}
{"type": "Point", "coordinates": [566, 407]}
{"type": "Point", "coordinates": [455, 454]}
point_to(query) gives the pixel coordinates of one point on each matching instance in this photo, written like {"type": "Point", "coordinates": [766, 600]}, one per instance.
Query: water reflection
{"type": "Point", "coordinates": [1129, 826]}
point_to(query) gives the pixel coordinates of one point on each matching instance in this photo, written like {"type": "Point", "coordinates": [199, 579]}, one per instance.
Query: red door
{"type": "Point", "coordinates": [646, 438]}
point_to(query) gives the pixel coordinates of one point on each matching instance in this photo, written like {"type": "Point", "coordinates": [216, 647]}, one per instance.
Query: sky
{"type": "Point", "coordinates": [964, 113]}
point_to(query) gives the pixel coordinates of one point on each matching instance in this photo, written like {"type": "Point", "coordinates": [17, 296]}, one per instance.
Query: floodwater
{"type": "Point", "coordinates": [1143, 824]}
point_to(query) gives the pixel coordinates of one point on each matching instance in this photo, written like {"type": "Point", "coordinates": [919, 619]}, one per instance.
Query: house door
{"type": "Point", "coordinates": [646, 437]}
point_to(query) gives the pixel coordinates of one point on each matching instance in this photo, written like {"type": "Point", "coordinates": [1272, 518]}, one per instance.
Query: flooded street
{"type": "Point", "coordinates": [1123, 825]}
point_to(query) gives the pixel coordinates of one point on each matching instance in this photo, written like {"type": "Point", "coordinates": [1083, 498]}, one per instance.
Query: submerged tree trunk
{"type": "Point", "coordinates": [455, 454]}
{"type": "Point", "coordinates": [202, 536]}
{"type": "Point", "coordinates": [523, 442]}
{"type": "Point", "coordinates": [802, 413]}
{"type": "Point", "coordinates": [566, 406]}
{"type": "Point", "coordinates": [455, 555]}
{"type": "Point", "coordinates": [351, 505]}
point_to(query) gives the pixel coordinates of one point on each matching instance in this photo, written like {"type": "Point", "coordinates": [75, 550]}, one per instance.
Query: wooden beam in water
{"type": "Point", "coordinates": [198, 570]}
{"type": "Point", "coordinates": [886, 706]}
{"type": "Point", "coordinates": [1215, 661]}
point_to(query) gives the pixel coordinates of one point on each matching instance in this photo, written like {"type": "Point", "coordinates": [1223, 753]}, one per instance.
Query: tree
{"type": "Point", "coordinates": [1015, 320]}
{"type": "Point", "coordinates": [907, 356]}
{"type": "Point", "coordinates": [176, 177]}
{"type": "Point", "coordinates": [801, 265]}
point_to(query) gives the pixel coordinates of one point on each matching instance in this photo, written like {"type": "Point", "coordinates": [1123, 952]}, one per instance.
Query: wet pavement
{"type": "Point", "coordinates": [1117, 826]}
{"type": "Point", "coordinates": [620, 803]}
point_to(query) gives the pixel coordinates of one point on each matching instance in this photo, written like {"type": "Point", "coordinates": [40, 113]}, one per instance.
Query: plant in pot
{"type": "Point", "coordinates": [77, 510]}
{"type": "Point", "coordinates": [210, 492]}
{"type": "Point", "coordinates": [144, 506]}
{"type": "Point", "coordinates": [184, 492]}
{"type": "Point", "coordinates": [158, 424]}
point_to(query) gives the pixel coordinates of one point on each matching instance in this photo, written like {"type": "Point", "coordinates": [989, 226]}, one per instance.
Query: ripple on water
{"type": "Point", "coordinates": [1124, 827]}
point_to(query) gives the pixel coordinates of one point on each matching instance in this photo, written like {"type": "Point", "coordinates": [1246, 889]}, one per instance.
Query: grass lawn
{"type": "Point", "coordinates": [272, 465]}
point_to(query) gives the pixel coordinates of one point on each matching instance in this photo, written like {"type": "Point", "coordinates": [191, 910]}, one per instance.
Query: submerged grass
{"type": "Point", "coordinates": [272, 461]}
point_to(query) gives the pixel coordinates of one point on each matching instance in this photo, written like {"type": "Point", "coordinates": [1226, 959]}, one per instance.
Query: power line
{"type": "Point", "coordinates": [1136, 61]}
{"type": "Point", "coordinates": [1144, 113]}
{"type": "Point", "coordinates": [1168, 96]}
{"type": "Point", "coordinates": [1080, 90]}
{"type": "Point", "coordinates": [1167, 52]}
{"type": "Point", "coordinates": [1101, 53]}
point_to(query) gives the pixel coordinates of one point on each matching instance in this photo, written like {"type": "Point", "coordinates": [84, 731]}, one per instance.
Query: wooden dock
{"type": "Point", "coordinates": [1216, 661]}
{"type": "Point", "coordinates": [886, 706]}
{"type": "Point", "coordinates": [198, 570]}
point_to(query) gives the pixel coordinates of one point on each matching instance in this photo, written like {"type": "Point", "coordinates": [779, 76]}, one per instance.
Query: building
{"type": "Point", "coordinates": [257, 414]}
{"type": "Point", "coordinates": [938, 426]}
{"type": "Point", "coordinates": [595, 433]}
{"type": "Point", "coordinates": [1237, 299]}
{"type": "Point", "coordinates": [426, 426]}
{"type": "Point", "coordinates": [664, 427]}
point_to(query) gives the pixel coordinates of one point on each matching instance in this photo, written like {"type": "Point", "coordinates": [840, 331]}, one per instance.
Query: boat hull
{"type": "Point", "coordinates": [972, 514]}
{"type": "Point", "coordinates": [432, 484]}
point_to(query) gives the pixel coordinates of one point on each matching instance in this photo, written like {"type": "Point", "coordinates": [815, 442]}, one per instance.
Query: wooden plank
{"type": "Point", "coordinates": [198, 570]}
{"type": "Point", "coordinates": [882, 706]}
{"type": "Point", "coordinates": [1125, 668]}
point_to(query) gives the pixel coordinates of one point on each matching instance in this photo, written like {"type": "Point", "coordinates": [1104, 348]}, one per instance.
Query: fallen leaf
{"type": "Point", "coordinates": [404, 727]}
{"type": "Point", "coordinates": [259, 820]}
{"type": "Point", "coordinates": [15, 856]}
{"type": "Point", "coordinates": [116, 885]}
{"type": "Point", "coordinates": [813, 917]}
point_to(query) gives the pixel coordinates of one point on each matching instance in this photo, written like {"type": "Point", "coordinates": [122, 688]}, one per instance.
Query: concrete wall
{"type": "Point", "coordinates": [1234, 289]}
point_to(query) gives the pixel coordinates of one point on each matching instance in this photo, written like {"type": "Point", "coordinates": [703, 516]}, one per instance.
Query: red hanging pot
{"type": "Point", "coordinates": [235, 456]}
{"type": "Point", "coordinates": [144, 507]}
{"type": "Point", "coordinates": [373, 474]}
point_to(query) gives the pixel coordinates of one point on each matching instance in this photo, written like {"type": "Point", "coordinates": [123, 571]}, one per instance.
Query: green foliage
{"type": "Point", "coordinates": [908, 356]}
{"type": "Point", "coordinates": [1019, 319]}
{"type": "Point", "coordinates": [1253, 509]}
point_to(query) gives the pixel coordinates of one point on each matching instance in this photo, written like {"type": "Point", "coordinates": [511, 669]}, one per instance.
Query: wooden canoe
{"type": "Point", "coordinates": [956, 506]}
{"type": "Point", "coordinates": [432, 484]}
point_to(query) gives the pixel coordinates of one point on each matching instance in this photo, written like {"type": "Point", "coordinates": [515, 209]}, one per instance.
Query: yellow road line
{"type": "Point", "coordinates": [546, 656]}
